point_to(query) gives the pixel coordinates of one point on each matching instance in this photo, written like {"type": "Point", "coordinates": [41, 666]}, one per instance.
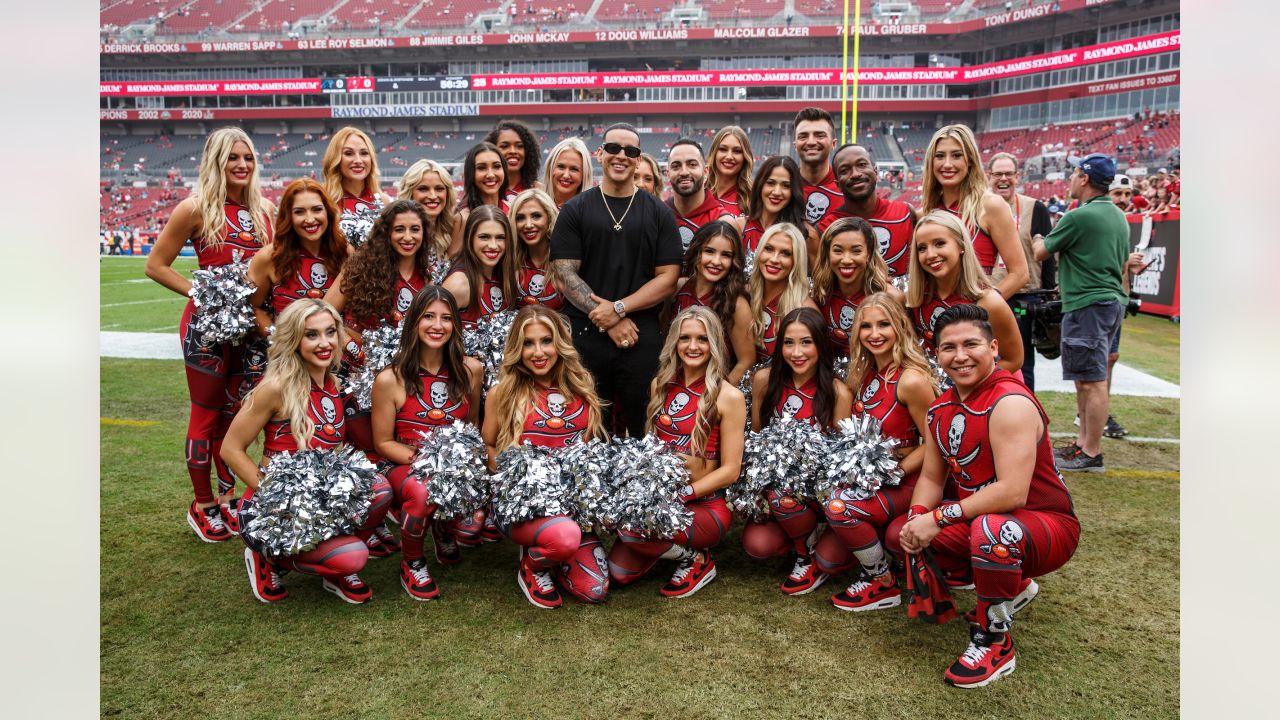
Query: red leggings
{"type": "Point", "coordinates": [557, 543]}
{"type": "Point", "coordinates": [855, 526]}
{"type": "Point", "coordinates": [1001, 549]}
{"type": "Point", "coordinates": [416, 508]}
{"type": "Point", "coordinates": [785, 531]}
{"type": "Point", "coordinates": [634, 555]}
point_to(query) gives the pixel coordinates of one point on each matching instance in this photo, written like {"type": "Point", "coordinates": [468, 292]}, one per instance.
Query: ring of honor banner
{"type": "Point", "coordinates": [1158, 285]}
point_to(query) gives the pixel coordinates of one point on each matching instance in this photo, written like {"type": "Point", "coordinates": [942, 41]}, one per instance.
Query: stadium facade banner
{"type": "Point", "coordinates": [1159, 286]}
{"type": "Point", "coordinates": [1105, 52]}
{"type": "Point", "coordinates": [251, 113]}
{"type": "Point", "coordinates": [379, 111]}
{"type": "Point", "coordinates": [869, 29]}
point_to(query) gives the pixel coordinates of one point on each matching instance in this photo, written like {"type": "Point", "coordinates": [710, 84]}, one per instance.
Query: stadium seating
{"type": "Point", "coordinates": [447, 13]}
{"type": "Point", "coordinates": [717, 9]}
{"type": "Point", "coordinates": [635, 10]}
{"type": "Point", "coordinates": [202, 15]}
{"type": "Point", "coordinates": [273, 15]}
{"type": "Point", "coordinates": [120, 13]}
{"type": "Point", "coordinates": [366, 14]}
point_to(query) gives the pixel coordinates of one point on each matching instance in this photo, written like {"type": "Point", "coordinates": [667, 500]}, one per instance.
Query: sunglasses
{"type": "Point", "coordinates": [613, 148]}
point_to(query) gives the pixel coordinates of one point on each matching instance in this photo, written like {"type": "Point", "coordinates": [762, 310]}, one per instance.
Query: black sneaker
{"type": "Point", "coordinates": [1066, 451]}
{"type": "Point", "coordinates": [1081, 463]}
{"type": "Point", "coordinates": [1114, 429]}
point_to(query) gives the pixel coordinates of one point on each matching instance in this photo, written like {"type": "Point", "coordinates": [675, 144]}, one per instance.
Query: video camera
{"type": "Point", "coordinates": [1044, 307]}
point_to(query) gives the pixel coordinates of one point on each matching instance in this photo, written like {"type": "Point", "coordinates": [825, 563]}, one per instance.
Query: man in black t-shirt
{"type": "Point", "coordinates": [615, 256]}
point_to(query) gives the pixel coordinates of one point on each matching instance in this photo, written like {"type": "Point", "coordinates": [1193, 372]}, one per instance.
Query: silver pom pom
{"type": "Point", "coordinates": [786, 456]}
{"type": "Point", "coordinates": [221, 296]}
{"type": "Point", "coordinates": [587, 469]}
{"type": "Point", "coordinates": [487, 342]}
{"type": "Point", "coordinates": [437, 266]}
{"type": "Point", "coordinates": [355, 226]}
{"type": "Point", "coordinates": [939, 375]}
{"type": "Point", "coordinates": [858, 457]}
{"type": "Point", "coordinates": [744, 385]}
{"type": "Point", "coordinates": [529, 485]}
{"type": "Point", "coordinates": [451, 461]}
{"type": "Point", "coordinates": [901, 282]}
{"type": "Point", "coordinates": [647, 478]}
{"type": "Point", "coordinates": [379, 347]}
{"type": "Point", "coordinates": [840, 365]}
{"type": "Point", "coordinates": [308, 497]}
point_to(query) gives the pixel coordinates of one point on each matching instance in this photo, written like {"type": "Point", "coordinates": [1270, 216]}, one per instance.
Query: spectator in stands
{"type": "Point", "coordinates": [1121, 193]}
{"type": "Point", "coordinates": [568, 170]}
{"type": "Point", "coordinates": [815, 132]}
{"type": "Point", "coordinates": [1092, 244]}
{"type": "Point", "coordinates": [483, 179]}
{"type": "Point", "coordinates": [615, 268]}
{"type": "Point", "coordinates": [893, 221]}
{"type": "Point", "coordinates": [350, 172]}
{"type": "Point", "coordinates": [729, 164]}
{"type": "Point", "coordinates": [954, 181]}
{"type": "Point", "coordinates": [691, 203]}
{"type": "Point", "coordinates": [520, 151]}
{"type": "Point", "coordinates": [776, 198]}
{"type": "Point", "coordinates": [649, 175]}
{"type": "Point", "coordinates": [1030, 218]}
{"type": "Point", "coordinates": [429, 184]}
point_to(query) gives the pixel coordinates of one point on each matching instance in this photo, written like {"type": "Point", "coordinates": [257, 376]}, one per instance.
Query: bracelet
{"type": "Point", "coordinates": [916, 511]}
{"type": "Point", "coordinates": [948, 514]}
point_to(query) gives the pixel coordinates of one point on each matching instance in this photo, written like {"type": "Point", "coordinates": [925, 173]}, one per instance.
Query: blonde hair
{"type": "Point", "coordinates": [578, 146]}
{"type": "Point", "coordinates": [333, 158]}
{"type": "Point", "coordinates": [515, 389]}
{"type": "Point", "coordinates": [744, 173]}
{"type": "Point", "coordinates": [669, 362]}
{"type": "Point", "coordinates": [211, 188]}
{"type": "Point", "coordinates": [797, 282]}
{"type": "Point", "coordinates": [875, 274]}
{"type": "Point", "coordinates": [657, 172]}
{"type": "Point", "coordinates": [974, 186]}
{"type": "Point", "coordinates": [286, 370]}
{"type": "Point", "coordinates": [907, 354]}
{"type": "Point", "coordinates": [441, 231]}
{"type": "Point", "coordinates": [972, 284]}
{"type": "Point", "coordinates": [520, 252]}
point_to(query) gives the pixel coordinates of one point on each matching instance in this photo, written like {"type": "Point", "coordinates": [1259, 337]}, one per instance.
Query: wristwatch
{"type": "Point", "coordinates": [619, 308]}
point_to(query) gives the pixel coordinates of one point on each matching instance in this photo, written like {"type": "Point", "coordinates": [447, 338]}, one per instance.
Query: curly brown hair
{"type": "Point", "coordinates": [370, 279]}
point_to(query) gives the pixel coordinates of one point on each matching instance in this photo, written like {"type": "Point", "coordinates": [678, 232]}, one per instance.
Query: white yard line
{"type": "Point", "coordinates": [1129, 438]}
{"type": "Point", "coordinates": [136, 302]}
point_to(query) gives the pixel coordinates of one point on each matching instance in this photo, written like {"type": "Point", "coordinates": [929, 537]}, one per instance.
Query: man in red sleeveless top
{"type": "Point", "coordinates": [893, 222]}
{"type": "Point", "coordinates": [1014, 518]}
{"type": "Point", "coordinates": [815, 135]}
{"type": "Point", "coordinates": [692, 205]}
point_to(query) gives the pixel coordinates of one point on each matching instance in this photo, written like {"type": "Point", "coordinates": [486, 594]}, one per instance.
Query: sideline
{"type": "Point", "coordinates": [1126, 438]}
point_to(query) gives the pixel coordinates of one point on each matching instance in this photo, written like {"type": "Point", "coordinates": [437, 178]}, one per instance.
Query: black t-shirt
{"type": "Point", "coordinates": [615, 263]}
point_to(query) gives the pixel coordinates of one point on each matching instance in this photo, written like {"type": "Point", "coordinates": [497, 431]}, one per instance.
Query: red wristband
{"type": "Point", "coordinates": [948, 513]}
{"type": "Point", "coordinates": [916, 511]}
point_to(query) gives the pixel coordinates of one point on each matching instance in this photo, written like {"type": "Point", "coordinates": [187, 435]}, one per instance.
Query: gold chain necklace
{"type": "Point", "coordinates": [617, 221]}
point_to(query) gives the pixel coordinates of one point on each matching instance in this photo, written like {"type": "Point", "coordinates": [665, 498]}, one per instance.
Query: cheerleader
{"type": "Point", "coordinates": [889, 379]}
{"type": "Point", "coordinates": [298, 406]}
{"type": "Point", "coordinates": [568, 171]}
{"type": "Point", "coordinates": [713, 279]}
{"type": "Point", "coordinates": [648, 175]}
{"type": "Point", "coordinates": [776, 197]}
{"type": "Point", "coordinates": [350, 175]}
{"type": "Point", "coordinates": [533, 216]}
{"type": "Point", "coordinates": [545, 397]}
{"type": "Point", "coordinates": [779, 283]}
{"type": "Point", "coordinates": [484, 179]}
{"type": "Point", "coordinates": [729, 163]}
{"type": "Point", "coordinates": [226, 219]}
{"type": "Point", "coordinates": [849, 269]}
{"type": "Point", "coordinates": [944, 272]}
{"type": "Point", "coordinates": [430, 383]}
{"type": "Point", "coordinates": [483, 279]}
{"type": "Point", "coordinates": [799, 384]}
{"type": "Point", "coordinates": [431, 185]}
{"type": "Point", "coordinates": [955, 182]}
{"type": "Point", "coordinates": [702, 417]}
{"type": "Point", "coordinates": [520, 151]}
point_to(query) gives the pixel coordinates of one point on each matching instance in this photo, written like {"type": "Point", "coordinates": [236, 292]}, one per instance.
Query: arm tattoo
{"type": "Point", "coordinates": [573, 287]}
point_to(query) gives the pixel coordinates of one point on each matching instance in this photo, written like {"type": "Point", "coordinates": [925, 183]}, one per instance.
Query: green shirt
{"type": "Point", "coordinates": [1092, 245]}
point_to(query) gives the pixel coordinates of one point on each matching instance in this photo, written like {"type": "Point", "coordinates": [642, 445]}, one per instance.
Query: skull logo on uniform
{"type": "Point", "coordinates": [495, 297]}
{"type": "Point", "coordinates": [329, 409]}
{"type": "Point", "coordinates": [871, 389]}
{"type": "Point", "coordinates": [677, 403]}
{"type": "Point", "coordinates": [792, 405]}
{"type": "Point", "coordinates": [404, 299]}
{"type": "Point", "coordinates": [933, 318]}
{"type": "Point", "coordinates": [1010, 533]}
{"type": "Point", "coordinates": [686, 236]}
{"type": "Point", "coordinates": [955, 434]}
{"type": "Point", "coordinates": [882, 239]}
{"type": "Point", "coordinates": [439, 394]}
{"type": "Point", "coordinates": [535, 284]}
{"type": "Point", "coordinates": [245, 220]}
{"type": "Point", "coordinates": [816, 205]}
{"type": "Point", "coordinates": [846, 317]}
{"type": "Point", "coordinates": [319, 275]}
{"type": "Point", "coordinates": [556, 404]}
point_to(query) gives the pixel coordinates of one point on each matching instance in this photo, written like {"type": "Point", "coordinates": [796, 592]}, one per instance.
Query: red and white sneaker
{"type": "Point", "coordinates": [490, 533]}
{"type": "Point", "coordinates": [537, 586]}
{"type": "Point", "coordinates": [987, 659]}
{"type": "Point", "coordinates": [207, 523]}
{"type": "Point", "coordinates": [447, 551]}
{"type": "Point", "coordinates": [867, 594]}
{"type": "Point", "coordinates": [692, 575]}
{"type": "Point", "coordinates": [377, 548]}
{"type": "Point", "coordinates": [417, 581]}
{"type": "Point", "coordinates": [264, 580]}
{"type": "Point", "coordinates": [230, 512]}
{"type": "Point", "coordinates": [350, 588]}
{"type": "Point", "coordinates": [805, 577]}
{"type": "Point", "coordinates": [385, 535]}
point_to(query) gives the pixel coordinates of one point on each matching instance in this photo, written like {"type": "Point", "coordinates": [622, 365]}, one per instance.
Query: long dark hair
{"type": "Point", "coordinates": [824, 397]}
{"type": "Point", "coordinates": [726, 291]}
{"type": "Point", "coordinates": [287, 256]}
{"type": "Point", "coordinates": [532, 153]}
{"type": "Point", "coordinates": [470, 193]}
{"type": "Point", "coordinates": [470, 264]}
{"type": "Point", "coordinates": [370, 279]}
{"type": "Point", "coordinates": [793, 212]}
{"type": "Point", "coordinates": [408, 360]}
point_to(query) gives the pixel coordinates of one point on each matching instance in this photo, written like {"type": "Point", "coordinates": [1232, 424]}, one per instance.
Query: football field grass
{"type": "Point", "coordinates": [182, 636]}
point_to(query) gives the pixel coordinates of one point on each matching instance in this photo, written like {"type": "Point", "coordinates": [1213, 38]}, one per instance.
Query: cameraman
{"type": "Point", "coordinates": [1092, 245]}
